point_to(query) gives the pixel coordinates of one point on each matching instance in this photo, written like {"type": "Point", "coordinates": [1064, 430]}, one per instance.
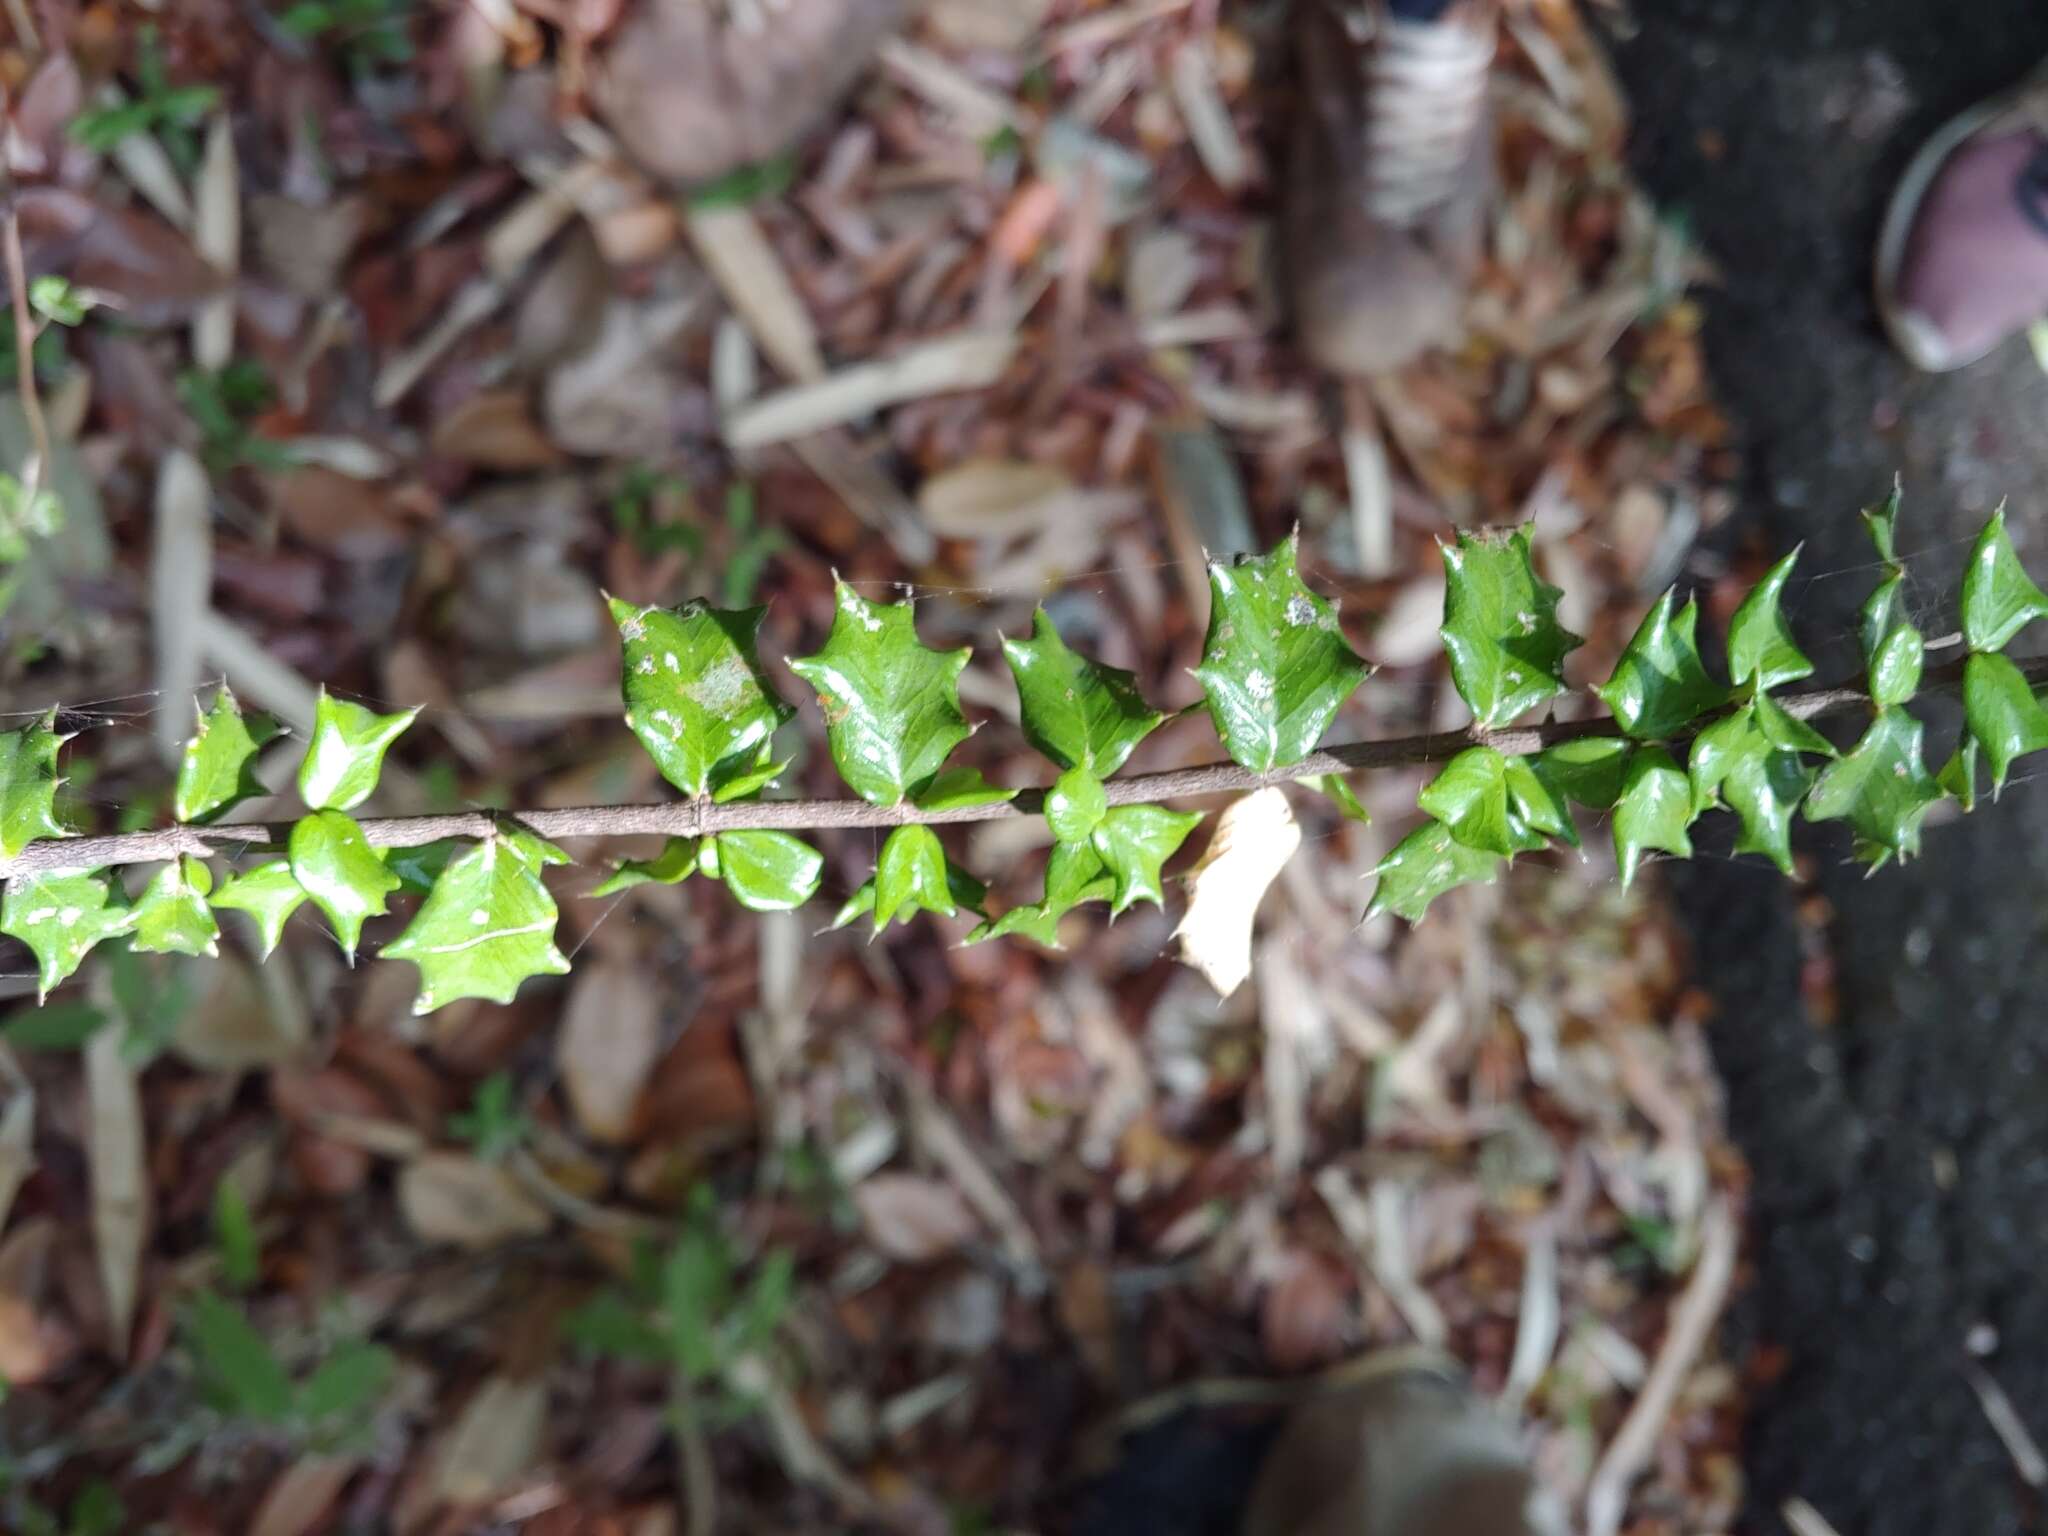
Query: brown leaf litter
{"type": "Point", "coordinates": [1009, 336]}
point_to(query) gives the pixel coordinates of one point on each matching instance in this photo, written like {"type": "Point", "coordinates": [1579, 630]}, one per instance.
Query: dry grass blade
{"type": "Point", "coordinates": [1692, 1324]}
{"type": "Point", "coordinates": [728, 240]}
{"type": "Point", "coordinates": [1805, 1520]}
{"type": "Point", "coordinates": [965, 360]}
{"type": "Point", "coordinates": [975, 109]}
{"type": "Point", "coordinates": [1201, 105]}
{"type": "Point", "coordinates": [256, 675]}
{"type": "Point", "coordinates": [181, 584]}
{"type": "Point", "coordinates": [1371, 482]}
{"type": "Point", "coordinates": [1542, 1317]}
{"type": "Point", "coordinates": [217, 235]}
{"type": "Point", "coordinates": [2012, 1432]}
{"type": "Point", "coordinates": [944, 1143]}
{"type": "Point", "coordinates": [1293, 1020]}
{"type": "Point", "coordinates": [115, 1145]}
{"type": "Point", "coordinates": [146, 167]}
{"type": "Point", "coordinates": [476, 300]}
{"type": "Point", "coordinates": [803, 1458]}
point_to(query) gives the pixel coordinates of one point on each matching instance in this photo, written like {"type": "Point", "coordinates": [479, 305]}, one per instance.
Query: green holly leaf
{"type": "Point", "coordinates": [1713, 754]}
{"type": "Point", "coordinates": [1735, 761]}
{"type": "Point", "coordinates": [1892, 648]}
{"type": "Point", "coordinates": [1275, 666]}
{"type": "Point", "coordinates": [1785, 732]}
{"type": "Point", "coordinates": [1999, 598]}
{"type": "Point", "coordinates": [269, 893]}
{"type": "Point", "coordinates": [1763, 788]}
{"type": "Point", "coordinates": [1958, 776]}
{"type": "Point", "coordinates": [1339, 789]}
{"type": "Point", "coordinates": [1653, 811]}
{"type": "Point", "coordinates": [1895, 665]}
{"type": "Point", "coordinates": [1133, 841]}
{"type": "Point", "coordinates": [2004, 717]}
{"type": "Point", "coordinates": [488, 924]}
{"type": "Point", "coordinates": [676, 862]}
{"type": "Point", "coordinates": [218, 770]}
{"type": "Point", "coordinates": [1537, 800]}
{"type": "Point", "coordinates": [860, 904]}
{"type": "Point", "coordinates": [1760, 646]}
{"type": "Point", "coordinates": [1077, 712]}
{"type": "Point", "coordinates": [1075, 805]}
{"type": "Point", "coordinates": [1883, 612]}
{"type": "Point", "coordinates": [28, 785]}
{"type": "Point", "coordinates": [891, 705]}
{"type": "Point", "coordinates": [745, 783]}
{"type": "Point", "coordinates": [60, 915]}
{"type": "Point", "coordinates": [172, 916]}
{"type": "Point", "coordinates": [1590, 769]}
{"type": "Point", "coordinates": [1660, 685]}
{"type": "Point", "coordinates": [347, 752]}
{"type": "Point", "coordinates": [1881, 522]}
{"type": "Point", "coordinates": [910, 877]}
{"type": "Point", "coordinates": [1881, 788]}
{"type": "Point", "coordinates": [1425, 864]}
{"type": "Point", "coordinates": [696, 694]}
{"type": "Point", "coordinates": [768, 871]}
{"type": "Point", "coordinates": [953, 789]}
{"type": "Point", "coordinates": [1470, 797]}
{"type": "Point", "coordinates": [1074, 876]}
{"type": "Point", "coordinates": [339, 870]}
{"type": "Point", "coordinates": [418, 868]}
{"type": "Point", "coordinates": [1500, 625]}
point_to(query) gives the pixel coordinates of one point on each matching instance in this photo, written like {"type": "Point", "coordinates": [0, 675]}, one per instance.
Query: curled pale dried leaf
{"type": "Point", "coordinates": [1255, 837]}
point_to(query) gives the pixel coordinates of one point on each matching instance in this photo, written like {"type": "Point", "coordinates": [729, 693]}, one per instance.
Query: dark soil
{"type": "Point", "coordinates": [1900, 1145]}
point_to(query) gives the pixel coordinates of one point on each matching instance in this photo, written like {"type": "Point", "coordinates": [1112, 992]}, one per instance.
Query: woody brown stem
{"type": "Point", "coordinates": [698, 818]}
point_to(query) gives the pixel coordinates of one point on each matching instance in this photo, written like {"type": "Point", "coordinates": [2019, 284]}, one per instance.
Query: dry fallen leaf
{"type": "Point", "coordinates": [302, 1494]}
{"type": "Point", "coordinates": [120, 1181]}
{"type": "Point", "coordinates": [493, 1443]}
{"type": "Point", "coordinates": [609, 1042]}
{"type": "Point", "coordinates": [148, 271]}
{"type": "Point", "coordinates": [243, 1020]}
{"type": "Point", "coordinates": [913, 1220]}
{"type": "Point", "coordinates": [450, 1197]}
{"type": "Point", "coordinates": [991, 498]}
{"type": "Point", "coordinates": [1255, 837]}
{"type": "Point", "coordinates": [693, 95]}
{"type": "Point", "coordinates": [34, 1340]}
{"type": "Point", "coordinates": [1305, 1316]}
{"type": "Point", "coordinates": [494, 429]}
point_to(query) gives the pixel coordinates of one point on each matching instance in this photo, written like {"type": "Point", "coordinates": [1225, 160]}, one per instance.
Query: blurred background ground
{"type": "Point", "coordinates": [481, 365]}
{"type": "Point", "coordinates": [1888, 1085]}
